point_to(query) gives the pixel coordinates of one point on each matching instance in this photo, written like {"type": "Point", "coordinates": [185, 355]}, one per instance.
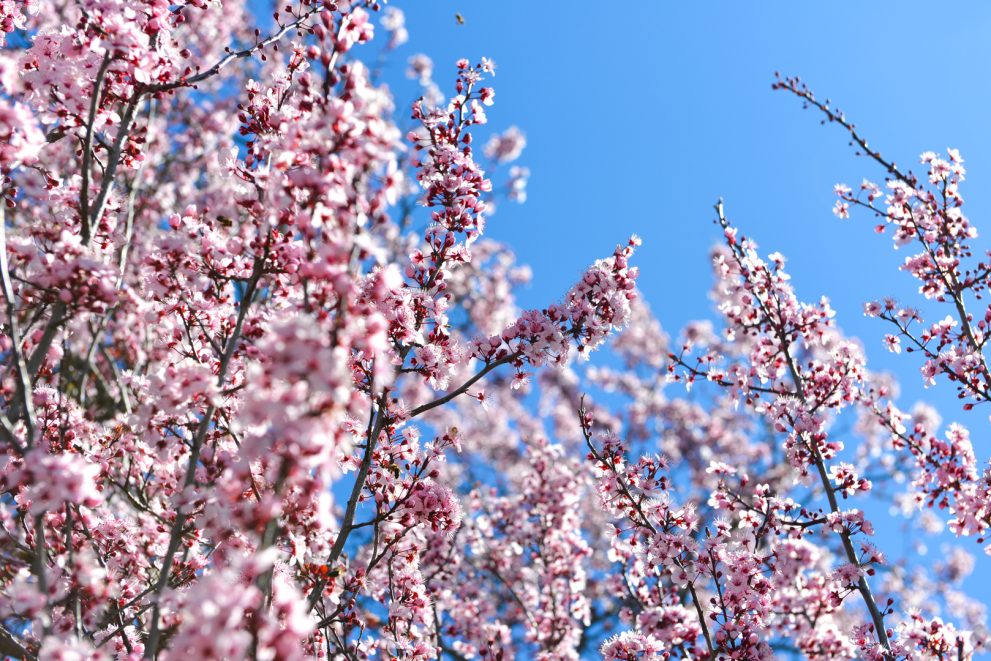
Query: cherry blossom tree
{"type": "Point", "coordinates": [267, 394]}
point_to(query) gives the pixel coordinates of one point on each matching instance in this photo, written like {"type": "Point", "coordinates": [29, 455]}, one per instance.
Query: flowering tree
{"type": "Point", "coordinates": [266, 393]}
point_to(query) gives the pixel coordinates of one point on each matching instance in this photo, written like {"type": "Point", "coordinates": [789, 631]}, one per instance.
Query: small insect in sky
{"type": "Point", "coordinates": [459, 18]}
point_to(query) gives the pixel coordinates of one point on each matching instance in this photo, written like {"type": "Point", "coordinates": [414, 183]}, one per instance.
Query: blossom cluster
{"type": "Point", "coordinates": [266, 391]}
{"type": "Point", "coordinates": [218, 320]}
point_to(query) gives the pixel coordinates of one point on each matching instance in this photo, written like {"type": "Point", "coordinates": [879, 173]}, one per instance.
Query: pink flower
{"type": "Point", "coordinates": [893, 343]}
{"type": "Point", "coordinates": [506, 147]}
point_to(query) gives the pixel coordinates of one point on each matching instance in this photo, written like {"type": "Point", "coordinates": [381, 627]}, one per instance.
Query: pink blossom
{"type": "Point", "coordinates": [506, 147]}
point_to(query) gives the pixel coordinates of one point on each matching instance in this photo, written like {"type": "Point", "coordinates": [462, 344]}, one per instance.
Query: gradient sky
{"type": "Point", "coordinates": [639, 116]}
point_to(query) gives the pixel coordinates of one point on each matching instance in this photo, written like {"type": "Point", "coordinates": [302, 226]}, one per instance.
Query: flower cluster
{"type": "Point", "coordinates": [265, 386]}
{"type": "Point", "coordinates": [221, 330]}
{"type": "Point", "coordinates": [599, 303]}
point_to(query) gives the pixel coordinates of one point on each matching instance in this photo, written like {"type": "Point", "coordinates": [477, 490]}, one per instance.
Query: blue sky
{"type": "Point", "coordinates": [640, 115]}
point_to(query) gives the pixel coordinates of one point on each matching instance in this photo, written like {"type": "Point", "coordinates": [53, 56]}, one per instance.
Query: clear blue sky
{"type": "Point", "coordinates": [639, 115]}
